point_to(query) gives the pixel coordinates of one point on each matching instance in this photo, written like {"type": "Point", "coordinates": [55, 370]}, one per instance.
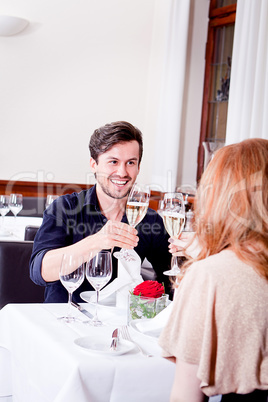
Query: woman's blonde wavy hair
{"type": "Point", "coordinates": [231, 207]}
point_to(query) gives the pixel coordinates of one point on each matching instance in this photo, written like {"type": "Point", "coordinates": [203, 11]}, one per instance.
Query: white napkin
{"type": "Point", "coordinates": [156, 323]}
{"type": "Point", "coordinates": [128, 277]}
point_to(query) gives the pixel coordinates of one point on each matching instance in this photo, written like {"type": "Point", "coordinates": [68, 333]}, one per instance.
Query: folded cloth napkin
{"type": "Point", "coordinates": [157, 323]}
{"type": "Point", "coordinates": [128, 277]}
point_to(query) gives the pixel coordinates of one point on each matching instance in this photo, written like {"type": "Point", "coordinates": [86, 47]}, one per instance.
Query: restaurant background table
{"type": "Point", "coordinates": [17, 226]}
{"type": "Point", "coordinates": [47, 365]}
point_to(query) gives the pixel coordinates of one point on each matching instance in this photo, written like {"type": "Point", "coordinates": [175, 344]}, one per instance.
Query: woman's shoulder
{"type": "Point", "coordinates": [224, 270]}
{"type": "Point", "coordinates": [224, 260]}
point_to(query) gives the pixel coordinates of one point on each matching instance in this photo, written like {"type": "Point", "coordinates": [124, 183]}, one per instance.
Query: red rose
{"type": "Point", "coordinates": [149, 289]}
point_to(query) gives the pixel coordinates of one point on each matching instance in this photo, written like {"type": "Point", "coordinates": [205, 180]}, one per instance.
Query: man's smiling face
{"type": "Point", "coordinates": [117, 169]}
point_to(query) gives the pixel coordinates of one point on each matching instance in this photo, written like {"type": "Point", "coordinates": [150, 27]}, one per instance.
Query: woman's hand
{"type": "Point", "coordinates": [180, 247]}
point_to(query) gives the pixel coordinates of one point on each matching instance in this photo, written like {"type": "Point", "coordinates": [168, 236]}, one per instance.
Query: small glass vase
{"type": "Point", "coordinates": [140, 307]}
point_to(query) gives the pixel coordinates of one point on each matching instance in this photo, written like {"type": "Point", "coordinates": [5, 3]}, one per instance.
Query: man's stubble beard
{"type": "Point", "coordinates": [107, 192]}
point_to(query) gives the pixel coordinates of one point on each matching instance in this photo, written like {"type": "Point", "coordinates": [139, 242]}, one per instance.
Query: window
{"type": "Point", "coordinates": [217, 79]}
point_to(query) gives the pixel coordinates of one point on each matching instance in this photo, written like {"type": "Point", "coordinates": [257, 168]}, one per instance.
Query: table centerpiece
{"type": "Point", "coordinates": [146, 300]}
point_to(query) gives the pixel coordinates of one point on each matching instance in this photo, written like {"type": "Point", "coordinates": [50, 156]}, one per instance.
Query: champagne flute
{"type": "Point", "coordinates": [98, 274]}
{"type": "Point", "coordinates": [136, 209]}
{"type": "Point", "coordinates": [72, 274]}
{"type": "Point", "coordinates": [4, 209]}
{"type": "Point", "coordinates": [173, 214]}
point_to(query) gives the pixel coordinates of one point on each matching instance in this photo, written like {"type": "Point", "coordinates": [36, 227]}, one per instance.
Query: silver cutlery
{"type": "Point", "coordinates": [115, 339]}
{"type": "Point", "coordinates": [125, 335]}
{"type": "Point", "coordinates": [82, 310]}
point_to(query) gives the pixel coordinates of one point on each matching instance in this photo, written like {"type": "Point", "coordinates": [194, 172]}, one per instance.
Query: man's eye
{"type": "Point", "coordinates": [113, 162]}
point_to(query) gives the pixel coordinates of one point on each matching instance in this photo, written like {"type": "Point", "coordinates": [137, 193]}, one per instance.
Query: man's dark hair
{"type": "Point", "coordinates": [107, 136]}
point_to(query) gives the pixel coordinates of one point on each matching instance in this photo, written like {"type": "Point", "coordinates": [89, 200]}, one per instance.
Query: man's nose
{"type": "Point", "coordinates": [122, 170]}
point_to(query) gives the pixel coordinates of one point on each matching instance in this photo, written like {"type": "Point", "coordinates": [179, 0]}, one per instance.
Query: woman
{"type": "Point", "coordinates": [218, 329]}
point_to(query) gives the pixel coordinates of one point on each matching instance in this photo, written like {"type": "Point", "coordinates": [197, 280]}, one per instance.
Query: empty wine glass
{"type": "Point", "coordinates": [4, 209]}
{"type": "Point", "coordinates": [72, 274]}
{"type": "Point", "coordinates": [15, 204]}
{"type": "Point", "coordinates": [173, 214]}
{"type": "Point", "coordinates": [98, 273]}
{"type": "Point", "coordinates": [136, 209]}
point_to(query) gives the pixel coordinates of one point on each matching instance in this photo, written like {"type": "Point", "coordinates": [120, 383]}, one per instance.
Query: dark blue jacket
{"type": "Point", "coordinates": [75, 216]}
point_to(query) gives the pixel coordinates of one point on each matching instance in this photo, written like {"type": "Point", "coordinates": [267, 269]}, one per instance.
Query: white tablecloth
{"type": "Point", "coordinates": [48, 366]}
{"type": "Point", "coordinates": [16, 227]}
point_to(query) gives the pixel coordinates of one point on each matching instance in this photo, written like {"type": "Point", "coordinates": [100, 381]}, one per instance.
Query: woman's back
{"type": "Point", "coordinates": [220, 322]}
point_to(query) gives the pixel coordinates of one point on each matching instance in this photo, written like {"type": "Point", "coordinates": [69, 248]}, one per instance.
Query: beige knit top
{"type": "Point", "coordinates": [219, 321]}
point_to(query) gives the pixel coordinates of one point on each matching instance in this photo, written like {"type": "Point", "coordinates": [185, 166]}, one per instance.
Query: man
{"type": "Point", "coordinates": [95, 219]}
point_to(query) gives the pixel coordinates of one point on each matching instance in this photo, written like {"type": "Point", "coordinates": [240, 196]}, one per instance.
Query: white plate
{"type": "Point", "coordinates": [101, 345]}
{"type": "Point", "coordinates": [90, 297]}
{"type": "Point", "coordinates": [152, 333]}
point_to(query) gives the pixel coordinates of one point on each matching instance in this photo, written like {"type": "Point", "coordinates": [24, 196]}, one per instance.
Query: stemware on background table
{"type": "Point", "coordinates": [136, 209]}
{"type": "Point", "coordinates": [15, 204]}
{"type": "Point", "coordinates": [189, 193]}
{"type": "Point", "coordinates": [50, 198]}
{"type": "Point", "coordinates": [98, 274]}
{"type": "Point", "coordinates": [4, 209]}
{"type": "Point", "coordinates": [72, 274]}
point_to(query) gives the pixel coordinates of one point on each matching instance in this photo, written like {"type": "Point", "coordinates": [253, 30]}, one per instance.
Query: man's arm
{"type": "Point", "coordinates": [113, 234]}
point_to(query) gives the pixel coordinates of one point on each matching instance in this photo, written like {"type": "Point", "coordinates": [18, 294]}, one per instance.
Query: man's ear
{"type": "Point", "coordinates": [93, 164]}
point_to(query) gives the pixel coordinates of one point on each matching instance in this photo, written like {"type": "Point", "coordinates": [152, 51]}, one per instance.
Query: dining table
{"type": "Point", "coordinates": [14, 228]}
{"type": "Point", "coordinates": [49, 359]}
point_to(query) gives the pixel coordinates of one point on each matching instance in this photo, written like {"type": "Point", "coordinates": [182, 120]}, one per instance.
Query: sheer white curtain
{"type": "Point", "coordinates": [248, 99]}
{"type": "Point", "coordinates": [165, 91]}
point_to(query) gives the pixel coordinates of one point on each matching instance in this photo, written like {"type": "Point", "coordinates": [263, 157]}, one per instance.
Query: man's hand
{"type": "Point", "coordinates": [113, 234]}
{"type": "Point", "coordinates": [116, 234]}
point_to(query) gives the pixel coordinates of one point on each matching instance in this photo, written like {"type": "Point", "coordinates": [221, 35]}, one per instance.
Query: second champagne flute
{"type": "Point", "coordinates": [98, 274]}
{"type": "Point", "coordinates": [173, 214]}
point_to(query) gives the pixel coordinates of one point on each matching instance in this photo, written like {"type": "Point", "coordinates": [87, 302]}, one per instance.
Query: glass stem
{"type": "Point", "coordinates": [15, 221]}
{"type": "Point", "coordinates": [69, 304]}
{"type": "Point", "coordinates": [97, 304]}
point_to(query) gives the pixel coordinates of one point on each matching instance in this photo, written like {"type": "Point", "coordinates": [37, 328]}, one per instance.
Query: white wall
{"type": "Point", "coordinates": [78, 65]}
{"type": "Point", "coordinates": [193, 96]}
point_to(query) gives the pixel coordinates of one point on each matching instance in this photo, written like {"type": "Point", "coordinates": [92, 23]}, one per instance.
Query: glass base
{"type": "Point", "coordinates": [172, 272]}
{"type": "Point", "coordinates": [95, 323]}
{"type": "Point", "coordinates": [124, 256]}
{"type": "Point", "coordinates": [68, 319]}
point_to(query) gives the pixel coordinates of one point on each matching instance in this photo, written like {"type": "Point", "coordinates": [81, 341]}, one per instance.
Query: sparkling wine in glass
{"type": "Point", "coordinates": [4, 209]}
{"type": "Point", "coordinates": [173, 214]}
{"type": "Point", "coordinates": [98, 274]}
{"type": "Point", "coordinates": [72, 274]}
{"type": "Point", "coordinates": [136, 209]}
